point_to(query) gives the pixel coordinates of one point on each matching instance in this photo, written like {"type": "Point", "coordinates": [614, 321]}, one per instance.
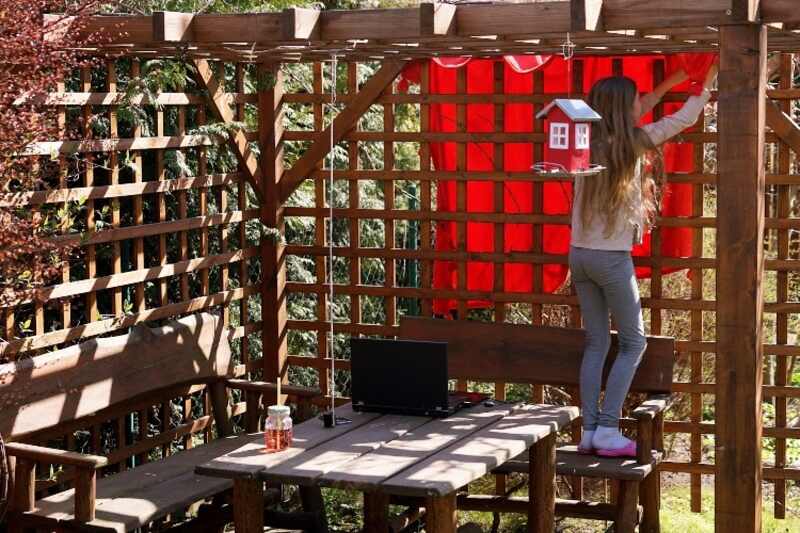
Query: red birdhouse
{"type": "Point", "coordinates": [569, 133]}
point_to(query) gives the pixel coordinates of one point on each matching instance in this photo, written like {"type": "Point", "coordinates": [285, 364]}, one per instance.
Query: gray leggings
{"type": "Point", "coordinates": [605, 281]}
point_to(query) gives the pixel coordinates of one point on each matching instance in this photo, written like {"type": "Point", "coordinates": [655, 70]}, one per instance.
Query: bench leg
{"type": "Point", "coordinates": [248, 505]}
{"type": "Point", "coordinates": [440, 514]}
{"type": "Point", "coordinates": [500, 490]}
{"type": "Point", "coordinates": [650, 496]}
{"type": "Point", "coordinates": [627, 507]}
{"type": "Point", "coordinates": [542, 485]}
{"type": "Point", "coordinates": [376, 512]}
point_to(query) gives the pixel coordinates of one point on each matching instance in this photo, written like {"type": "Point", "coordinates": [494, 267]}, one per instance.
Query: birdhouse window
{"type": "Point", "coordinates": [559, 135]}
{"type": "Point", "coordinates": [581, 136]}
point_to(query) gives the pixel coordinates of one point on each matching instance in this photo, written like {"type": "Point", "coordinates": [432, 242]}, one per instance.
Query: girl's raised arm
{"type": "Point", "coordinates": [670, 126]}
{"type": "Point", "coordinates": [651, 99]}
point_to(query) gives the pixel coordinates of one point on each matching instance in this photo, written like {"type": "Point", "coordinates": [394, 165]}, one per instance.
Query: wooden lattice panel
{"type": "Point", "coordinates": [160, 231]}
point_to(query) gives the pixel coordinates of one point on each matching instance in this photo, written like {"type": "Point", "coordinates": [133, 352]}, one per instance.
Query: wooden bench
{"type": "Point", "coordinates": [508, 353]}
{"type": "Point", "coordinates": [84, 385]}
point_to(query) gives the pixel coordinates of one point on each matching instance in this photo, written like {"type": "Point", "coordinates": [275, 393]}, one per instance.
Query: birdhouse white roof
{"type": "Point", "coordinates": [576, 110]}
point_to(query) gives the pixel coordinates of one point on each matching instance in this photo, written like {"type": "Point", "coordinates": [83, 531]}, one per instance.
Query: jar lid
{"type": "Point", "coordinates": [278, 410]}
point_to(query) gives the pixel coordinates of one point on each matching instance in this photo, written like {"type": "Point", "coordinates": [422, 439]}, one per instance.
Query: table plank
{"type": "Point", "coordinates": [305, 468]}
{"type": "Point", "coordinates": [369, 470]}
{"type": "Point", "coordinates": [248, 460]}
{"type": "Point", "coordinates": [475, 455]}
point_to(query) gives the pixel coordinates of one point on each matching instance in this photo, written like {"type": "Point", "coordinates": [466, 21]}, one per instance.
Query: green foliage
{"type": "Point", "coordinates": [219, 129]}
{"type": "Point", "coordinates": [676, 518]}
{"type": "Point", "coordinates": [141, 92]}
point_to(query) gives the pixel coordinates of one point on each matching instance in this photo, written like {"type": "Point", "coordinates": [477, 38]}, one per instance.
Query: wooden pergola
{"type": "Point", "coordinates": [743, 32]}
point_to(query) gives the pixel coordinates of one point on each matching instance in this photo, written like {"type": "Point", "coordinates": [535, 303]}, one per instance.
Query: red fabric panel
{"type": "Point", "coordinates": [696, 66]}
{"type": "Point", "coordinates": [518, 197]}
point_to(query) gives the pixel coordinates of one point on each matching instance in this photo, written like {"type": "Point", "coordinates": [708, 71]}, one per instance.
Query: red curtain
{"type": "Point", "coordinates": [518, 157]}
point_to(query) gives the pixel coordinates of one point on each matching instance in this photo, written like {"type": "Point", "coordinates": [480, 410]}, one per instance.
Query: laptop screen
{"type": "Point", "coordinates": [399, 375]}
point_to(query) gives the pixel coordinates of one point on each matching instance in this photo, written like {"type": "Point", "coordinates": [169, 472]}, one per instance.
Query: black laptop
{"type": "Point", "coordinates": [404, 377]}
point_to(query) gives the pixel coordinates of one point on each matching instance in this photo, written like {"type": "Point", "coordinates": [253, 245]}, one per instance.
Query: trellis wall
{"type": "Point", "coordinates": [163, 229]}
{"type": "Point", "coordinates": [162, 221]}
{"type": "Point", "coordinates": [371, 199]}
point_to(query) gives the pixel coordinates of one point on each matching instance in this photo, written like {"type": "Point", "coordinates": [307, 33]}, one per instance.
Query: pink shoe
{"type": "Point", "coordinates": [585, 451]}
{"type": "Point", "coordinates": [627, 451]}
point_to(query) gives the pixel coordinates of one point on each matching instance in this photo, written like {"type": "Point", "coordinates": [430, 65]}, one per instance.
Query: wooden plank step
{"type": "Point", "coordinates": [570, 463]}
{"type": "Point", "coordinates": [369, 470]}
{"type": "Point", "coordinates": [138, 496]}
{"type": "Point", "coordinates": [461, 463]}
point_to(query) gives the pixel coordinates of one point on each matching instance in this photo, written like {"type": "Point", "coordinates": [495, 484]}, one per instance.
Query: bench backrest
{"type": "Point", "coordinates": [484, 351]}
{"type": "Point", "coordinates": [50, 389]}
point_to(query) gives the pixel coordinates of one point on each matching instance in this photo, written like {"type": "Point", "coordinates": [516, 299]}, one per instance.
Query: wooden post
{"type": "Point", "coordinates": [85, 493]}
{"type": "Point", "coordinates": [248, 505]}
{"type": "Point", "coordinates": [440, 514]}
{"type": "Point", "coordinates": [627, 517]}
{"type": "Point", "coordinates": [376, 512]}
{"type": "Point", "coordinates": [24, 496]}
{"type": "Point", "coordinates": [542, 485]}
{"type": "Point", "coordinates": [740, 231]}
{"type": "Point", "coordinates": [273, 257]}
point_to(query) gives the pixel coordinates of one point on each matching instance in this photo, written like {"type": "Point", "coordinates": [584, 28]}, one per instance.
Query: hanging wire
{"type": "Point", "coordinates": [334, 67]}
{"type": "Point", "coordinates": [568, 51]}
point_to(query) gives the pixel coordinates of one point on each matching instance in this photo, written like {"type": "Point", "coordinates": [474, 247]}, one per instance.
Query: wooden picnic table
{"type": "Point", "coordinates": [384, 455]}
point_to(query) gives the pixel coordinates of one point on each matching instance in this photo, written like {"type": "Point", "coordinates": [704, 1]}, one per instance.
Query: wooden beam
{"type": "Point", "coordinates": [218, 101]}
{"type": "Point", "coordinates": [510, 19]}
{"type": "Point", "coordinates": [300, 23]}
{"type": "Point", "coordinates": [585, 15]}
{"type": "Point", "coordinates": [342, 125]}
{"type": "Point", "coordinates": [783, 126]}
{"type": "Point", "coordinates": [172, 27]}
{"type": "Point", "coordinates": [384, 24]}
{"type": "Point", "coordinates": [646, 14]}
{"type": "Point", "coordinates": [437, 19]}
{"type": "Point", "coordinates": [534, 19]}
{"type": "Point", "coordinates": [216, 28]}
{"type": "Point", "coordinates": [119, 29]}
{"type": "Point", "coordinates": [785, 11]}
{"type": "Point", "coordinates": [740, 233]}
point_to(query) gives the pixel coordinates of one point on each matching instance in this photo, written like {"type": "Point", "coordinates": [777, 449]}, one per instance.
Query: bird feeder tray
{"type": "Point", "coordinates": [556, 172]}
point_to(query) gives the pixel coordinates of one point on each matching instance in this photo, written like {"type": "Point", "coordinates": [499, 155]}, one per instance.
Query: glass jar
{"type": "Point", "coordinates": [278, 431]}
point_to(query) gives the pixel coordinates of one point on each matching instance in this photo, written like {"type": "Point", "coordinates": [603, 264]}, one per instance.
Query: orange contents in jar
{"type": "Point", "coordinates": [277, 439]}
{"type": "Point", "coordinates": [278, 431]}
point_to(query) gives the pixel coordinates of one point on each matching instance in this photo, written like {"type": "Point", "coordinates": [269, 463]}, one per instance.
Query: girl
{"type": "Point", "coordinates": [610, 214]}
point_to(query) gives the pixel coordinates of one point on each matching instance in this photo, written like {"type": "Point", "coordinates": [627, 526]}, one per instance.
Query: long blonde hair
{"type": "Point", "coordinates": [619, 146]}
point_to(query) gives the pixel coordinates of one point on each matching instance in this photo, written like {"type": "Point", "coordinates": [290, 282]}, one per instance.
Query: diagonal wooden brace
{"type": "Point", "coordinates": [783, 126]}
{"type": "Point", "coordinates": [342, 125]}
{"type": "Point", "coordinates": [218, 100]}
